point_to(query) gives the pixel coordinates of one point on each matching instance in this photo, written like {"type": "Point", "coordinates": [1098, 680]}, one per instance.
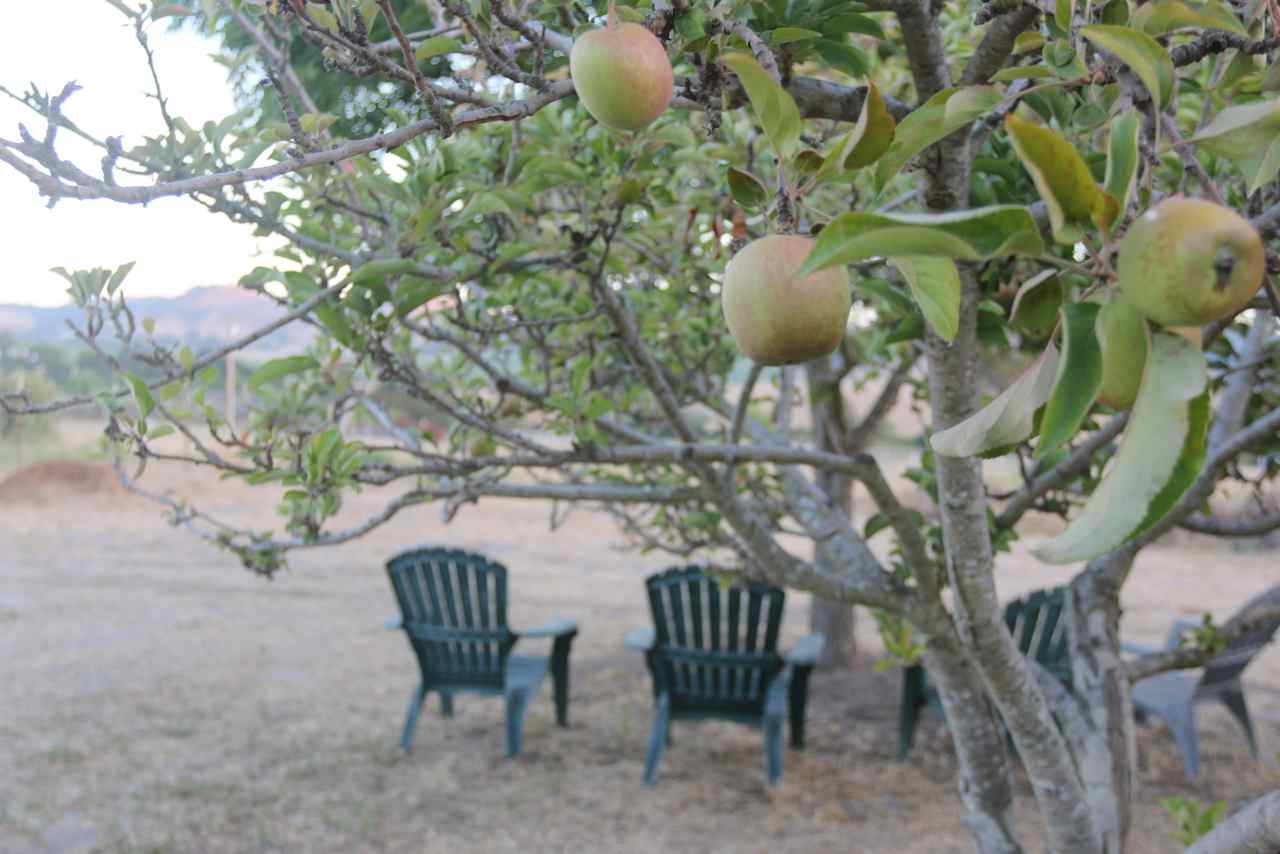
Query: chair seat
{"type": "Point", "coordinates": [1163, 691]}
{"type": "Point", "coordinates": [525, 672]}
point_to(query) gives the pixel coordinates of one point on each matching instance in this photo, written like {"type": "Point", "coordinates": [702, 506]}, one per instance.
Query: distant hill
{"type": "Point", "coordinates": [201, 318]}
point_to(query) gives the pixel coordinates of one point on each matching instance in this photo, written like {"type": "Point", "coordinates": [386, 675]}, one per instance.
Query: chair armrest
{"type": "Point", "coordinates": [641, 639]}
{"type": "Point", "coordinates": [1137, 648]}
{"type": "Point", "coordinates": [393, 624]}
{"type": "Point", "coordinates": [807, 650]}
{"type": "Point", "coordinates": [552, 629]}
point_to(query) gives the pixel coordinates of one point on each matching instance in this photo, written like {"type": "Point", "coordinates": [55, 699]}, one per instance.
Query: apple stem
{"type": "Point", "coordinates": [612, 20]}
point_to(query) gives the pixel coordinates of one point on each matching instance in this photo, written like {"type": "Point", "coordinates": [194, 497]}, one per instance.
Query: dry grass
{"type": "Point", "coordinates": [157, 698]}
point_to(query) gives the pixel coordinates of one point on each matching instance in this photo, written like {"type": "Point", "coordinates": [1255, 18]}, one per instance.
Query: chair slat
{"type": "Point", "coordinates": [710, 651]}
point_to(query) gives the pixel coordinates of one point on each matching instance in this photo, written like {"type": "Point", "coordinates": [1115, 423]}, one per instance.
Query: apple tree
{"type": "Point", "coordinates": [1084, 191]}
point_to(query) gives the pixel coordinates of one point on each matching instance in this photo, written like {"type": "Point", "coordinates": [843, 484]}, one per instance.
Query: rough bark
{"type": "Point", "coordinates": [1008, 677]}
{"type": "Point", "coordinates": [834, 619]}
{"type": "Point", "coordinates": [1107, 761]}
{"type": "Point", "coordinates": [826, 407]}
{"type": "Point", "coordinates": [979, 742]}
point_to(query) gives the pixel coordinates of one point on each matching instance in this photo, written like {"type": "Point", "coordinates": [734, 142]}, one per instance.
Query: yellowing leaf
{"type": "Point", "coordinates": [1005, 421]}
{"type": "Point", "coordinates": [1064, 181]}
{"type": "Point", "coordinates": [1162, 441]}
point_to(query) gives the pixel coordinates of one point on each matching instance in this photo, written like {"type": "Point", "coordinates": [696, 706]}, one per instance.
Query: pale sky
{"type": "Point", "coordinates": [177, 244]}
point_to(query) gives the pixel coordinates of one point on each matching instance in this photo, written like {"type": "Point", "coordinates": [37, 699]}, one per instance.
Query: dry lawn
{"type": "Point", "coordinates": [156, 698]}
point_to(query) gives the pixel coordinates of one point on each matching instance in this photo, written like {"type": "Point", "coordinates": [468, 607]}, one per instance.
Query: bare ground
{"type": "Point", "coordinates": [155, 697]}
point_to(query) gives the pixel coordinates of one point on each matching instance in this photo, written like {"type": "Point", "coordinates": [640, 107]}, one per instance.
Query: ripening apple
{"type": "Point", "coordinates": [1187, 262]}
{"type": "Point", "coordinates": [622, 75]}
{"type": "Point", "coordinates": [776, 318]}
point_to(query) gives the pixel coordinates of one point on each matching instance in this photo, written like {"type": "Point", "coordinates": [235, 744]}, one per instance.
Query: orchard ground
{"type": "Point", "coordinates": [156, 697]}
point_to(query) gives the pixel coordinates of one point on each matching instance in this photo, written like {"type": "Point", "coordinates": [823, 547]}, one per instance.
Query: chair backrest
{"type": "Point", "coordinates": [454, 606]}
{"type": "Point", "coordinates": [1225, 669]}
{"type": "Point", "coordinates": [1035, 622]}
{"type": "Point", "coordinates": [715, 647]}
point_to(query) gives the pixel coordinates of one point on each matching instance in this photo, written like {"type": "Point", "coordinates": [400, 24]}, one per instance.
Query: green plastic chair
{"type": "Point", "coordinates": [453, 607]}
{"type": "Point", "coordinates": [1033, 620]}
{"type": "Point", "coordinates": [712, 653]}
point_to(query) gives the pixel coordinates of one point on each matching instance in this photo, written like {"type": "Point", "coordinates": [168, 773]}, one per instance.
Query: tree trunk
{"type": "Point", "coordinates": [979, 743]}
{"type": "Point", "coordinates": [834, 619]}
{"type": "Point", "coordinates": [1108, 760]}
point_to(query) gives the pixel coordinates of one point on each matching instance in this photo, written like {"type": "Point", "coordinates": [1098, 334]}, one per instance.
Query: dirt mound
{"type": "Point", "coordinates": [57, 479]}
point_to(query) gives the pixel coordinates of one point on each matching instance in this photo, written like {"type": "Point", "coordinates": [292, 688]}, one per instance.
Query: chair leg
{"type": "Point", "coordinates": [1234, 701]}
{"type": "Point", "coordinates": [517, 705]}
{"type": "Point", "coordinates": [772, 749]}
{"type": "Point", "coordinates": [909, 714]}
{"type": "Point", "coordinates": [1182, 724]}
{"type": "Point", "coordinates": [560, 677]}
{"type": "Point", "coordinates": [658, 737]}
{"type": "Point", "coordinates": [799, 698]}
{"type": "Point", "coordinates": [446, 703]}
{"type": "Point", "coordinates": [411, 721]}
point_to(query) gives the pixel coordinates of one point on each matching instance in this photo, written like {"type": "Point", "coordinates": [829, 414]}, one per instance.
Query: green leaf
{"type": "Point", "coordinates": [941, 115]}
{"type": "Point", "coordinates": [1140, 52]}
{"type": "Point", "coordinates": [436, 46]}
{"type": "Point", "coordinates": [1158, 18]}
{"type": "Point", "coordinates": [376, 272]}
{"type": "Point", "coordinates": [1063, 11]}
{"type": "Point", "coordinates": [324, 18]}
{"type": "Point", "coordinates": [691, 25]}
{"type": "Point", "coordinates": [774, 107]}
{"type": "Point", "coordinates": [413, 291]}
{"type": "Point", "coordinates": [842, 56]}
{"type": "Point", "coordinates": [878, 129]}
{"type": "Point", "coordinates": [973, 235]}
{"type": "Point", "coordinates": [316, 122]}
{"type": "Point", "coordinates": [1035, 307]}
{"type": "Point", "coordinates": [277, 368]}
{"type": "Point", "coordinates": [788, 35]}
{"type": "Point", "coordinates": [1028, 41]}
{"type": "Point", "coordinates": [1249, 136]}
{"type": "Point", "coordinates": [1078, 380]}
{"type": "Point", "coordinates": [117, 278]}
{"type": "Point", "coordinates": [1149, 473]}
{"type": "Point", "coordinates": [935, 285]}
{"type": "Point", "coordinates": [1007, 420]}
{"type": "Point", "coordinates": [747, 190]}
{"type": "Point", "coordinates": [1122, 157]}
{"type": "Point", "coordinates": [869, 138]}
{"type": "Point", "coordinates": [160, 431]}
{"type": "Point", "coordinates": [1021, 72]}
{"type": "Point", "coordinates": [141, 395]}
{"type": "Point", "coordinates": [844, 24]}
{"type": "Point", "coordinates": [1063, 179]}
